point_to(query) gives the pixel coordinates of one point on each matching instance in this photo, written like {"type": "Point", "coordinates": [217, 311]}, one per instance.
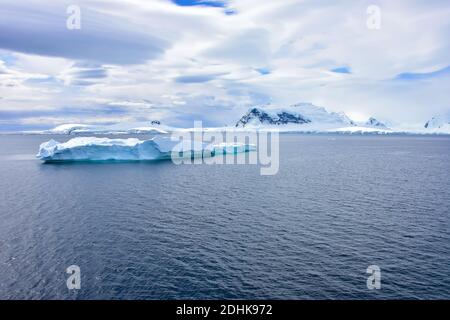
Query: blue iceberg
{"type": "Point", "coordinates": [132, 149]}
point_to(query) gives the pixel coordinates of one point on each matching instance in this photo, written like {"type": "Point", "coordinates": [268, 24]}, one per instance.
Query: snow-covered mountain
{"type": "Point", "coordinates": [70, 128]}
{"type": "Point", "coordinates": [124, 128]}
{"type": "Point", "coordinates": [302, 117]}
{"type": "Point", "coordinates": [257, 116]}
{"type": "Point", "coordinates": [439, 122]}
{"type": "Point", "coordinates": [374, 123]}
{"type": "Point", "coordinates": [303, 114]}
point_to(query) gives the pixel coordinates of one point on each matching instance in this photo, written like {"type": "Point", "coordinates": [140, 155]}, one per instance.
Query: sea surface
{"type": "Point", "coordinates": [156, 230]}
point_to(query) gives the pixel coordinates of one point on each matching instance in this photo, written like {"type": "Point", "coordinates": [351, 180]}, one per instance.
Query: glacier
{"type": "Point", "coordinates": [133, 149]}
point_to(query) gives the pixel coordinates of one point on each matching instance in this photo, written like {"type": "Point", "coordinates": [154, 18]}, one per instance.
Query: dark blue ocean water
{"type": "Point", "coordinates": [162, 231]}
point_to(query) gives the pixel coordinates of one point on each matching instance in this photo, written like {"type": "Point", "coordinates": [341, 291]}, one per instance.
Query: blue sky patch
{"type": "Point", "coordinates": [7, 58]}
{"type": "Point", "coordinates": [423, 75]}
{"type": "Point", "coordinates": [263, 71]}
{"type": "Point", "coordinates": [345, 70]}
{"type": "Point", "coordinates": [195, 78]}
{"type": "Point", "coordinates": [210, 3]}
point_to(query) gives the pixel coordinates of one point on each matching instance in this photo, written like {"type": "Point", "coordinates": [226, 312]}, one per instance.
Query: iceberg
{"type": "Point", "coordinates": [133, 149]}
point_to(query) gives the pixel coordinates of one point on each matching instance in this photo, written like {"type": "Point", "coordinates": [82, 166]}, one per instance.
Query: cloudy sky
{"type": "Point", "coordinates": [184, 60]}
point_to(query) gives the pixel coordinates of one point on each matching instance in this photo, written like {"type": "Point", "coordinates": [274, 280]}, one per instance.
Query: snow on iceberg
{"type": "Point", "coordinates": [132, 149]}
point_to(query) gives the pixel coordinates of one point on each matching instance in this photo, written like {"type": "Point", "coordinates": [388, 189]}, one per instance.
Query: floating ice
{"type": "Point", "coordinates": [132, 149]}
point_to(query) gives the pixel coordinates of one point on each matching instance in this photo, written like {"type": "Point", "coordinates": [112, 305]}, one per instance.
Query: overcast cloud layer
{"type": "Point", "coordinates": [136, 60]}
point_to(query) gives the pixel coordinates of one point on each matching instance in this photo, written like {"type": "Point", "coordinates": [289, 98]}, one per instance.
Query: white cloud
{"type": "Point", "coordinates": [142, 52]}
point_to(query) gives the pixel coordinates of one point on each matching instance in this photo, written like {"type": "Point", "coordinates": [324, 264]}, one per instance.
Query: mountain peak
{"type": "Point", "coordinates": [372, 122]}
{"type": "Point", "coordinates": [257, 116]}
{"type": "Point", "coordinates": [438, 122]}
{"type": "Point", "coordinates": [298, 114]}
